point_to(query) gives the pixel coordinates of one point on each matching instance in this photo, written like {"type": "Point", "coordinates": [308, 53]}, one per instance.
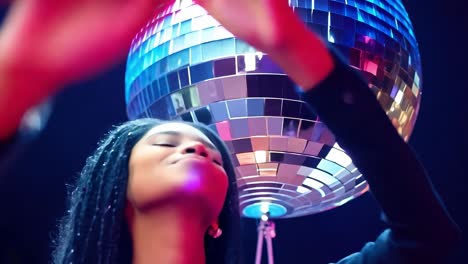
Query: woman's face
{"type": "Point", "coordinates": [176, 160]}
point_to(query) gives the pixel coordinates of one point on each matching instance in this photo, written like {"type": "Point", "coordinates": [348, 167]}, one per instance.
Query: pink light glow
{"type": "Point", "coordinates": [371, 67]}
{"type": "Point", "coordinates": [224, 130]}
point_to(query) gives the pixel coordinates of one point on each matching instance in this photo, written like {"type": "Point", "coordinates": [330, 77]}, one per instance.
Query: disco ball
{"type": "Point", "coordinates": [183, 65]}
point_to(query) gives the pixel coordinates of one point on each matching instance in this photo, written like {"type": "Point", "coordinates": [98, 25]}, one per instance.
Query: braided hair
{"type": "Point", "coordinates": [93, 229]}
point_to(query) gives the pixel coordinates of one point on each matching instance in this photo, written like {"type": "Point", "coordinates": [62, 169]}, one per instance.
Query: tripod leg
{"type": "Point", "coordinates": [258, 256]}
{"type": "Point", "coordinates": [269, 247]}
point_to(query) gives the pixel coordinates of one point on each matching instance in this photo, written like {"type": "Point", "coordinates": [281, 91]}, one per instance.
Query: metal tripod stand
{"type": "Point", "coordinates": [266, 230]}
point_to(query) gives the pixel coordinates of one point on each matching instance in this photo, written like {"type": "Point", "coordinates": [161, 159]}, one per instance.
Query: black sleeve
{"type": "Point", "coordinates": [7, 150]}
{"type": "Point", "coordinates": [13, 147]}
{"type": "Point", "coordinates": [420, 229]}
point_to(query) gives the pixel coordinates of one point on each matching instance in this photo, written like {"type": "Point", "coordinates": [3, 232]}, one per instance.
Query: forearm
{"type": "Point", "coordinates": [395, 176]}
{"type": "Point", "coordinates": [304, 67]}
{"type": "Point", "coordinates": [302, 55]}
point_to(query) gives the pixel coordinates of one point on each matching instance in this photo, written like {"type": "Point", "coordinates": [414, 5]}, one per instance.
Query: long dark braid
{"type": "Point", "coordinates": [93, 229]}
{"type": "Point", "coordinates": [89, 232]}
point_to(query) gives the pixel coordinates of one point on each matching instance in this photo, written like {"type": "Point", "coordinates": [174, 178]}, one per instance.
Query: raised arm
{"type": "Point", "coordinates": [48, 44]}
{"type": "Point", "coordinates": [420, 230]}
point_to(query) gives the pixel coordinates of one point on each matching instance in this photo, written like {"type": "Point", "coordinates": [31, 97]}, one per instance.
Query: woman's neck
{"type": "Point", "coordinates": [168, 234]}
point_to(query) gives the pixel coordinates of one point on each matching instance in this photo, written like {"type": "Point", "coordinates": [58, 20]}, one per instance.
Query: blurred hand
{"type": "Point", "coordinates": [47, 44]}
{"type": "Point", "coordinates": [265, 24]}
{"type": "Point", "coordinates": [272, 27]}
{"type": "Point", "coordinates": [69, 39]}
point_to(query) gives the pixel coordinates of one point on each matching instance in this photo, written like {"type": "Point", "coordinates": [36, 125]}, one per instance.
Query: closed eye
{"type": "Point", "coordinates": [168, 145]}
{"type": "Point", "coordinates": [217, 162]}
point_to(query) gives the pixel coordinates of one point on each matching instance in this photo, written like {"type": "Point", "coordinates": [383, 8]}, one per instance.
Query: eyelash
{"type": "Point", "coordinates": [172, 146]}
{"type": "Point", "coordinates": [165, 145]}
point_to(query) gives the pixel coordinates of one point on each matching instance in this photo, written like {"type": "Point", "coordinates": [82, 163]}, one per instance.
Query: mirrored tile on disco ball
{"type": "Point", "coordinates": [239, 128]}
{"type": "Point", "coordinates": [341, 37]}
{"type": "Point", "coordinates": [262, 156]}
{"type": "Point", "coordinates": [351, 11]}
{"type": "Point", "coordinates": [294, 159]}
{"type": "Point", "coordinates": [224, 131]}
{"type": "Point", "coordinates": [359, 180]}
{"type": "Point", "coordinates": [320, 132]}
{"type": "Point", "coordinates": [313, 148]}
{"type": "Point", "coordinates": [163, 86]}
{"type": "Point", "coordinates": [328, 180]}
{"type": "Point", "coordinates": [243, 48]}
{"type": "Point", "coordinates": [321, 5]}
{"type": "Point", "coordinates": [219, 111]}
{"type": "Point", "coordinates": [246, 158]}
{"type": "Point", "coordinates": [237, 108]}
{"type": "Point", "coordinates": [306, 129]}
{"type": "Point", "coordinates": [191, 97]}
{"type": "Point", "coordinates": [195, 54]}
{"type": "Point", "coordinates": [275, 126]}
{"type": "Point", "coordinates": [177, 102]}
{"type": "Point", "coordinates": [255, 107]}
{"type": "Point", "coordinates": [266, 85]}
{"type": "Point", "coordinates": [337, 7]}
{"type": "Point", "coordinates": [160, 109]}
{"type": "Point", "coordinates": [201, 72]}
{"type": "Point", "coordinates": [173, 81]}
{"type": "Point", "coordinates": [279, 143]}
{"type": "Point", "coordinates": [287, 173]}
{"type": "Point", "coordinates": [311, 162]}
{"type": "Point", "coordinates": [218, 49]}
{"type": "Point", "coordinates": [183, 77]}
{"type": "Point", "coordinates": [225, 67]}
{"type": "Point", "coordinates": [304, 171]}
{"type": "Point", "coordinates": [290, 127]}
{"type": "Point", "coordinates": [178, 43]}
{"type": "Point", "coordinates": [203, 115]}
{"type": "Point", "coordinates": [260, 143]}
{"type": "Point", "coordinates": [247, 170]}
{"type": "Point", "coordinates": [154, 91]}
{"type": "Point", "coordinates": [330, 167]}
{"type": "Point", "coordinates": [296, 145]}
{"type": "Point", "coordinates": [276, 156]}
{"type": "Point", "coordinates": [320, 18]}
{"type": "Point", "coordinates": [177, 60]}
{"type": "Point", "coordinates": [326, 136]}
{"type": "Point", "coordinates": [257, 126]}
{"type": "Point", "coordinates": [234, 87]}
{"type": "Point", "coordinates": [290, 108]}
{"type": "Point", "coordinates": [242, 145]}
{"type": "Point", "coordinates": [273, 107]}
{"type": "Point", "coordinates": [210, 91]}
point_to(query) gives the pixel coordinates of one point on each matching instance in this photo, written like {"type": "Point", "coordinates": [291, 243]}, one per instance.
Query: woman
{"type": "Point", "coordinates": [420, 230]}
{"type": "Point", "coordinates": [138, 200]}
{"type": "Point", "coordinates": [156, 192]}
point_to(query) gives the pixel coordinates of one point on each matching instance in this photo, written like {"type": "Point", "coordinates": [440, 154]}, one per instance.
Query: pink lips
{"type": "Point", "coordinates": [191, 156]}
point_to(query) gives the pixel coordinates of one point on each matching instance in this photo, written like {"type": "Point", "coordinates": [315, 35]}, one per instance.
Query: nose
{"type": "Point", "coordinates": [196, 148]}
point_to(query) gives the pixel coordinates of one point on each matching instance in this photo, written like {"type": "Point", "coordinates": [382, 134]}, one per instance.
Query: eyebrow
{"type": "Point", "coordinates": [175, 133]}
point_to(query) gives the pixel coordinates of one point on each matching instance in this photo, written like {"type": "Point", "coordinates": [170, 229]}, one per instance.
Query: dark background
{"type": "Point", "coordinates": [32, 192]}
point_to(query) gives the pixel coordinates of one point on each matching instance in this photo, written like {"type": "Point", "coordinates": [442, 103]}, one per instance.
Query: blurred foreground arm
{"type": "Point", "coordinates": [272, 27]}
{"type": "Point", "coordinates": [420, 229]}
{"type": "Point", "coordinates": [47, 44]}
